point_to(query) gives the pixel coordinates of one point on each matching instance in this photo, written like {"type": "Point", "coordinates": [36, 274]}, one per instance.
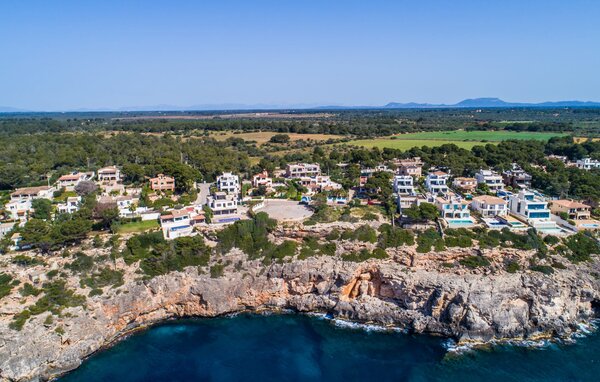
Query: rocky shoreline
{"type": "Point", "coordinates": [469, 306]}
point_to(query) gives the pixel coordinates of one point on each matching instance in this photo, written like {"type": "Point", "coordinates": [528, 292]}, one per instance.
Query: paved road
{"type": "Point", "coordinates": [203, 192]}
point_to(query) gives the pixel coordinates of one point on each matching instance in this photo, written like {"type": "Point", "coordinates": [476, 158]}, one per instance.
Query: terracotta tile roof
{"type": "Point", "coordinates": [69, 177]}
{"type": "Point", "coordinates": [488, 199]}
{"type": "Point", "coordinates": [569, 203]}
{"type": "Point", "coordinates": [30, 190]}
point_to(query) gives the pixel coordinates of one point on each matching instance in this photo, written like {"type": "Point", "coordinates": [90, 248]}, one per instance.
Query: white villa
{"type": "Point", "coordinates": [490, 178]}
{"type": "Point", "coordinates": [407, 201]}
{"type": "Point", "coordinates": [320, 183]}
{"type": "Point", "coordinates": [109, 174]}
{"type": "Point", "coordinates": [436, 182]}
{"type": "Point", "coordinates": [19, 209]}
{"type": "Point", "coordinates": [490, 206]}
{"type": "Point", "coordinates": [403, 184]}
{"type": "Point", "coordinates": [369, 171]}
{"type": "Point", "coordinates": [300, 170]}
{"type": "Point", "coordinates": [262, 179]}
{"type": "Point", "coordinates": [533, 208]}
{"type": "Point", "coordinates": [69, 181]}
{"type": "Point", "coordinates": [19, 206]}
{"type": "Point", "coordinates": [178, 223]}
{"type": "Point", "coordinates": [229, 183]}
{"type": "Point", "coordinates": [30, 193]}
{"type": "Point", "coordinates": [70, 206]}
{"type": "Point", "coordinates": [452, 206]}
{"type": "Point", "coordinates": [222, 203]}
{"type": "Point", "coordinates": [587, 164]}
{"type": "Point", "coordinates": [5, 228]}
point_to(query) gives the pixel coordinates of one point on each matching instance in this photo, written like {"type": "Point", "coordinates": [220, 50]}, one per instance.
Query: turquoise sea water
{"type": "Point", "coordinates": [302, 348]}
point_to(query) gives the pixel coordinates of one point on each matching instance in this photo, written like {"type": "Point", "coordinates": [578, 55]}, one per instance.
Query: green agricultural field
{"type": "Point", "coordinates": [407, 144]}
{"type": "Point", "coordinates": [461, 138]}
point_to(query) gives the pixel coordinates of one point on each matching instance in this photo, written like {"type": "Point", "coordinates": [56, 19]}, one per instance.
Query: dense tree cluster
{"type": "Point", "coordinates": [31, 159]}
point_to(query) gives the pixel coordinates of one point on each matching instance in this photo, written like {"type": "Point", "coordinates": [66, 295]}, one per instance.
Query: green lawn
{"type": "Point", "coordinates": [138, 226]}
{"type": "Point", "coordinates": [63, 197]}
{"type": "Point", "coordinates": [461, 138]}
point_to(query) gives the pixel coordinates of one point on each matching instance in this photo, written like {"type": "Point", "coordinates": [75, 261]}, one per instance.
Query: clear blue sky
{"type": "Point", "coordinates": [57, 55]}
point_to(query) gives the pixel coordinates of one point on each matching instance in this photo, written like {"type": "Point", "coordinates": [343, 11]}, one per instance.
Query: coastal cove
{"type": "Point", "coordinates": [300, 347]}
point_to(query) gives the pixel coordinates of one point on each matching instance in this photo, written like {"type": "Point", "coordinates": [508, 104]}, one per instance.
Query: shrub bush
{"type": "Point", "coordinates": [512, 267]}
{"type": "Point", "coordinates": [545, 269]}
{"type": "Point", "coordinates": [474, 262]}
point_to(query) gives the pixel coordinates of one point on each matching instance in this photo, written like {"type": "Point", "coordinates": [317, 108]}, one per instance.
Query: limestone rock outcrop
{"type": "Point", "coordinates": [469, 306]}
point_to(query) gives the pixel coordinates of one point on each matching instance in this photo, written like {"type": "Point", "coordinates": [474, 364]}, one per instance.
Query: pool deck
{"type": "Point", "coordinates": [589, 224]}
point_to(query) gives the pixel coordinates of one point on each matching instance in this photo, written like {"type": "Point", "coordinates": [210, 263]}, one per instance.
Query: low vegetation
{"type": "Point", "coordinates": [158, 256]}
{"type": "Point", "coordinates": [55, 298]}
{"type": "Point", "coordinates": [6, 284]}
{"type": "Point", "coordinates": [428, 239]}
{"type": "Point", "coordinates": [474, 261]}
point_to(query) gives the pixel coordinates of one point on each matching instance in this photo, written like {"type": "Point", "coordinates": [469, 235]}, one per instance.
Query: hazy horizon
{"type": "Point", "coordinates": [69, 55]}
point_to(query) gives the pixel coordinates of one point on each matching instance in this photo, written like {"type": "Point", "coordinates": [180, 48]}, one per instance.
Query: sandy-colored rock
{"type": "Point", "coordinates": [470, 306]}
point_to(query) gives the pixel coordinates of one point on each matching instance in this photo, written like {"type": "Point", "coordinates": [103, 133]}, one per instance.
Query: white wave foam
{"type": "Point", "coordinates": [367, 327]}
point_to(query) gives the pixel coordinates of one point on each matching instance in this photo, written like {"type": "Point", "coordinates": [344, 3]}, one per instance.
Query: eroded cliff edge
{"type": "Point", "coordinates": [467, 305]}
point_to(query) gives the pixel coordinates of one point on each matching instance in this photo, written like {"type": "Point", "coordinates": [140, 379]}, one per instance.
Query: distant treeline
{"type": "Point", "coordinates": [358, 123]}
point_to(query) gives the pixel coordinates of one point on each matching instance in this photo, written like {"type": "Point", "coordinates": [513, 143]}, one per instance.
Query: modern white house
{"type": "Point", "coordinates": [533, 208]}
{"type": "Point", "coordinates": [436, 182]}
{"type": "Point", "coordinates": [587, 164]}
{"type": "Point", "coordinates": [490, 178]}
{"type": "Point", "coordinates": [407, 201]}
{"type": "Point", "coordinates": [489, 206]}
{"type": "Point", "coordinates": [299, 170]}
{"type": "Point", "coordinates": [454, 210]}
{"type": "Point", "coordinates": [127, 205]}
{"type": "Point", "coordinates": [403, 185]}
{"type": "Point", "coordinates": [453, 206]}
{"type": "Point", "coordinates": [229, 183]}
{"type": "Point", "coordinates": [222, 203]}
{"type": "Point", "coordinates": [178, 223]}
{"type": "Point", "coordinates": [70, 206]}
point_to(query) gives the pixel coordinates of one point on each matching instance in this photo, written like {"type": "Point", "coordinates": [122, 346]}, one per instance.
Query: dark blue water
{"type": "Point", "coordinates": [300, 348]}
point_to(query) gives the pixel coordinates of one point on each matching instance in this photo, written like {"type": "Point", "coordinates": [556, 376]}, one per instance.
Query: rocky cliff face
{"type": "Point", "coordinates": [470, 306]}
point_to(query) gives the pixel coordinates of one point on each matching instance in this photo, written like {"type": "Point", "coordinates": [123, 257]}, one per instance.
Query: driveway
{"type": "Point", "coordinates": [203, 192]}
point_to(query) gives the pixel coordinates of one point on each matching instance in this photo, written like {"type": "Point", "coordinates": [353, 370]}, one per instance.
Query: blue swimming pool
{"type": "Point", "coordinates": [459, 222]}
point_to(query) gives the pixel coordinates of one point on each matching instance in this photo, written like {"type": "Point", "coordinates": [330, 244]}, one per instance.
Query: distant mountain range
{"type": "Point", "coordinates": [467, 103]}
{"type": "Point", "coordinates": [490, 103]}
